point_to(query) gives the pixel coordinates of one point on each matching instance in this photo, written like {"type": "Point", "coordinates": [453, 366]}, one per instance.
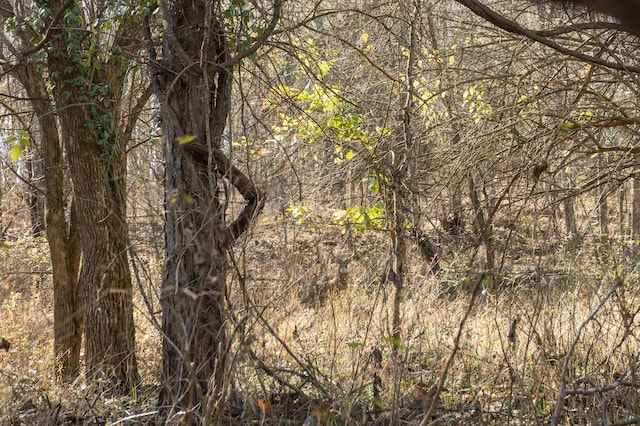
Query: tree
{"type": "Point", "coordinates": [62, 233]}
{"type": "Point", "coordinates": [193, 84]}
{"type": "Point", "coordinates": [74, 72]}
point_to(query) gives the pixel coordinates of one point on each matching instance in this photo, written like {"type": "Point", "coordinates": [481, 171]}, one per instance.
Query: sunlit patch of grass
{"type": "Point", "coordinates": [334, 361]}
{"type": "Point", "coordinates": [29, 390]}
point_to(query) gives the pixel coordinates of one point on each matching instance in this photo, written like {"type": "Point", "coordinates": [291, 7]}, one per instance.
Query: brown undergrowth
{"type": "Point", "coordinates": [330, 360]}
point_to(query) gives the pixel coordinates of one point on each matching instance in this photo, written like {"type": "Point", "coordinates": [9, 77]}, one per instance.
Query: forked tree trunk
{"type": "Point", "coordinates": [195, 100]}
{"type": "Point", "coordinates": [99, 188]}
{"type": "Point", "coordinates": [86, 107]}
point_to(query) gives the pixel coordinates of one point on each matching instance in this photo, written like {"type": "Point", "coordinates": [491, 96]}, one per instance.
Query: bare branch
{"type": "Point", "coordinates": [254, 197]}
{"type": "Point", "coordinates": [511, 26]}
{"type": "Point", "coordinates": [562, 393]}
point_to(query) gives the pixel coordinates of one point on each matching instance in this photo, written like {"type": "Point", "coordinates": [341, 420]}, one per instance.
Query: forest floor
{"type": "Point", "coordinates": [308, 352]}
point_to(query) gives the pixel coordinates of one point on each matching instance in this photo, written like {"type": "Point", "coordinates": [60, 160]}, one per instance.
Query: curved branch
{"type": "Point", "coordinates": [254, 197]}
{"type": "Point", "coordinates": [627, 11]}
{"type": "Point", "coordinates": [511, 26]}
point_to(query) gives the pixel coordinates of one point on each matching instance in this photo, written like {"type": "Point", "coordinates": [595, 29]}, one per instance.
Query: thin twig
{"type": "Point", "coordinates": [562, 393]}
{"type": "Point", "coordinates": [456, 346]}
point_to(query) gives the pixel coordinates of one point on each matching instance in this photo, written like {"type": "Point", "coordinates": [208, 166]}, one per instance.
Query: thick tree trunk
{"type": "Point", "coordinates": [87, 88]}
{"type": "Point", "coordinates": [195, 345]}
{"type": "Point", "coordinates": [99, 188]}
{"type": "Point", "coordinates": [195, 100]}
{"type": "Point", "coordinates": [87, 105]}
{"type": "Point", "coordinates": [195, 342]}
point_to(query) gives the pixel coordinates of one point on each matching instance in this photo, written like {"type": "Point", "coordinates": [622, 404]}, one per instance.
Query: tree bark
{"type": "Point", "coordinates": [635, 212]}
{"type": "Point", "coordinates": [192, 299]}
{"type": "Point", "coordinates": [62, 235]}
{"type": "Point", "coordinates": [35, 197]}
{"type": "Point", "coordinates": [603, 202]}
{"type": "Point", "coordinates": [194, 92]}
{"type": "Point", "coordinates": [87, 102]}
{"type": "Point", "coordinates": [99, 188]}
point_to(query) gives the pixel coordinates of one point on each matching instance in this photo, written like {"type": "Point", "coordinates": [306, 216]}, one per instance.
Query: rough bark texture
{"type": "Point", "coordinates": [34, 170]}
{"type": "Point", "coordinates": [99, 190]}
{"type": "Point", "coordinates": [194, 349]}
{"type": "Point", "coordinates": [98, 172]}
{"type": "Point", "coordinates": [87, 90]}
{"type": "Point", "coordinates": [62, 236]}
{"type": "Point", "coordinates": [194, 92]}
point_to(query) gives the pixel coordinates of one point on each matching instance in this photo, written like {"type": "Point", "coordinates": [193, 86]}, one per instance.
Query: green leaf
{"type": "Point", "coordinates": [395, 342]}
{"type": "Point", "coordinates": [15, 153]}
{"type": "Point", "coordinates": [566, 125]}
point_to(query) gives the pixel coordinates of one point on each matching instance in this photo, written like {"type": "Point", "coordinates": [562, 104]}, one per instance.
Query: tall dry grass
{"type": "Point", "coordinates": [331, 360]}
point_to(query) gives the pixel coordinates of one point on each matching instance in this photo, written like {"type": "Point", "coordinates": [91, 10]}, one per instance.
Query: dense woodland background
{"type": "Point", "coordinates": [450, 230]}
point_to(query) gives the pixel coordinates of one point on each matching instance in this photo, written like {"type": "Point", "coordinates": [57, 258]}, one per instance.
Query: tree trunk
{"type": "Point", "coordinates": [192, 299]}
{"type": "Point", "coordinates": [603, 204]}
{"type": "Point", "coordinates": [622, 189]}
{"type": "Point", "coordinates": [484, 232]}
{"type": "Point", "coordinates": [572, 239]}
{"type": "Point", "coordinates": [99, 188]}
{"type": "Point", "coordinates": [86, 75]}
{"type": "Point", "coordinates": [87, 104]}
{"type": "Point", "coordinates": [34, 192]}
{"type": "Point", "coordinates": [635, 211]}
{"type": "Point", "coordinates": [62, 235]}
{"type": "Point", "coordinates": [602, 246]}
{"type": "Point", "coordinates": [195, 102]}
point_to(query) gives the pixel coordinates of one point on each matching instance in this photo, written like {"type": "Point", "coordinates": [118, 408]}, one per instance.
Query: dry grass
{"type": "Point", "coordinates": [29, 392]}
{"type": "Point", "coordinates": [333, 361]}
{"type": "Point", "coordinates": [492, 379]}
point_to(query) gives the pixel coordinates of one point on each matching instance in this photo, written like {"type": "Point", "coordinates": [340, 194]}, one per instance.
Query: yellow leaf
{"type": "Point", "coordinates": [15, 153]}
{"type": "Point", "coordinates": [186, 139]}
